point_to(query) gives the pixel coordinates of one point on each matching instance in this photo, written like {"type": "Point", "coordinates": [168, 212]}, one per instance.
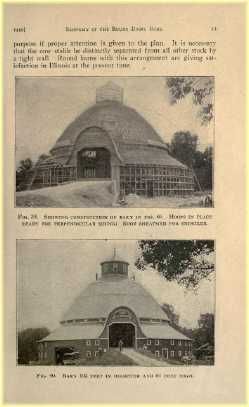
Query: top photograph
{"type": "Point", "coordinates": [135, 142]}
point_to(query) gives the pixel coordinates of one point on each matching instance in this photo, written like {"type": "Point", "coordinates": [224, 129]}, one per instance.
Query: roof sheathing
{"type": "Point", "coordinates": [102, 297]}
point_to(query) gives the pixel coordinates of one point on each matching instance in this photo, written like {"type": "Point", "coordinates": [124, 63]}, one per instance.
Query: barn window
{"type": "Point", "coordinates": [96, 353]}
{"type": "Point", "coordinates": [97, 342]}
{"type": "Point", "coordinates": [179, 342]}
{"type": "Point", "coordinates": [179, 353]}
{"type": "Point", "coordinates": [172, 342]}
{"type": "Point", "coordinates": [115, 267]}
{"type": "Point", "coordinates": [157, 342]}
{"type": "Point", "coordinates": [172, 353]}
{"type": "Point", "coordinates": [148, 341]}
{"type": "Point", "coordinates": [157, 353]}
{"type": "Point", "coordinates": [89, 153]}
{"type": "Point", "coordinates": [88, 354]}
{"type": "Point", "coordinates": [88, 343]}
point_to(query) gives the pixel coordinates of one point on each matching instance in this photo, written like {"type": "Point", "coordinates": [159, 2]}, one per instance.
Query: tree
{"type": "Point", "coordinates": [25, 165]}
{"type": "Point", "coordinates": [171, 314]}
{"type": "Point", "coordinates": [185, 261]}
{"type": "Point", "coordinates": [183, 147]}
{"type": "Point", "coordinates": [27, 344]}
{"type": "Point", "coordinates": [203, 167]}
{"type": "Point", "coordinates": [201, 89]}
{"type": "Point", "coordinates": [204, 342]}
{"type": "Point", "coordinates": [23, 173]}
{"type": "Point", "coordinates": [206, 324]}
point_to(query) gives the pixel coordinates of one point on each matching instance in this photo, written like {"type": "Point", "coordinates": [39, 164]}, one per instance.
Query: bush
{"type": "Point", "coordinates": [27, 344]}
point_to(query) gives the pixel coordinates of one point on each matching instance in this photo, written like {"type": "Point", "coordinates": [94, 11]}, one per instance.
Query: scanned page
{"type": "Point", "coordinates": [124, 192]}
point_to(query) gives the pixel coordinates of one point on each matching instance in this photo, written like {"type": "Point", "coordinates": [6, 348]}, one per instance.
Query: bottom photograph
{"type": "Point", "coordinates": [116, 302]}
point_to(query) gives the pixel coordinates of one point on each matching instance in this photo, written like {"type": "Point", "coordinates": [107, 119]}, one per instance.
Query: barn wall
{"type": "Point", "coordinates": [79, 345]}
{"type": "Point", "coordinates": [180, 348]}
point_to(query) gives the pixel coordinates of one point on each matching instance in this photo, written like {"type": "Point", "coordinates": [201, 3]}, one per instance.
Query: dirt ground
{"type": "Point", "coordinates": [193, 201]}
{"type": "Point", "coordinates": [92, 194]}
{"type": "Point", "coordinates": [89, 194]}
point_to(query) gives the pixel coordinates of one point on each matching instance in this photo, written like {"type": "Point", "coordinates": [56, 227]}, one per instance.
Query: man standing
{"type": "Point", "coordinates": [120, 344]}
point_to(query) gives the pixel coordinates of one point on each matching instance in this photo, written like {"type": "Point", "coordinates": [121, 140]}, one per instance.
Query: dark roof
{"type": "Point", "coordinates": [134, 140]}
{"type": "Point", "coordinates": [141, 154]}
{"type": "Point", "coordinates": [50, 162]}
{"type": "Point", "coordinates": [125, 124]}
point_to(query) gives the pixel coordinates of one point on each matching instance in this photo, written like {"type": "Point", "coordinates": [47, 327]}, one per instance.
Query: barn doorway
{"type": "Point", "coordinates": [123, 331]}
{"type": "Point", "coordinates": [94, 163]}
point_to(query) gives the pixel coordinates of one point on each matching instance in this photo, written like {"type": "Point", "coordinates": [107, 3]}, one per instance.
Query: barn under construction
{"type": "Point", "coordinates": [112, 141]}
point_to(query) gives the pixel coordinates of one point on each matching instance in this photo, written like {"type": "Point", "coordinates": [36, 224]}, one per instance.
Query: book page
{"type": "Point", "coordinates": [124, 140]}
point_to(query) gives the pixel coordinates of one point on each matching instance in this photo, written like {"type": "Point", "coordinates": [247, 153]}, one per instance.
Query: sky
{"type": "Point", "coordinates": [45, 106]}
{"type": "Point", "coordinates": [52, 273]}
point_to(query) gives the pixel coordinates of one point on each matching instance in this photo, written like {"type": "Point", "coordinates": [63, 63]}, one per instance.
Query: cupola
{"type": "Point", "coordinates": [109, 92]}
{"type": "Point", "coordinates": [114, 268]}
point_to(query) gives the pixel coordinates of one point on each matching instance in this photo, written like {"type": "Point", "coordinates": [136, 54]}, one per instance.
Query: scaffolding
{"type": "Point", "coordinates": [46, 176]}
{"type": "Point", "coordinates": [156, 180]}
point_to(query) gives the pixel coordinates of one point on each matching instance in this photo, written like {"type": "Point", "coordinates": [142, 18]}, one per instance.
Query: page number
{"type": "Point", "coordinates": [214, 28]}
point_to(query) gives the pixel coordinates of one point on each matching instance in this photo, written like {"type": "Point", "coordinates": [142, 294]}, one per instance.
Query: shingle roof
{"type": "Point", "coordinates": [141, 154]}
{"type": "Point", "coordinates": [126, 123]}
{"type": "Point", "coordinates": [91, 331]}
{"type": "Point", "coordinates": [70, 332]}
{"type": "Point", "coordinates": [102, 297]}
{"type": "Point", "coordinates": [162, 331]}
{"type": "Point", "coordinates": [134, 140]}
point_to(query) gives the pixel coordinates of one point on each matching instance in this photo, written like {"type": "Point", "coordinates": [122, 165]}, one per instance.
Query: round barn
{"type": "Point", "coordinates": [112, 141]}
{"type": "Point", "coordinates": [113, 308]}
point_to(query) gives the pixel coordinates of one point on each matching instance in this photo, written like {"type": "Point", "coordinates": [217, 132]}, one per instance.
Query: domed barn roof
{"type": "Point", "coordinates": [88, 313]}
{"type": "Point", "coordinates": [124, 125]}
{"type": "Point", "coordinates": [124, 122]}
{"type": "Point", "coordinates": [102, 297]}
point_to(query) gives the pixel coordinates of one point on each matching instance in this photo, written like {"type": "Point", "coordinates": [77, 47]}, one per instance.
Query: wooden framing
{"type": "Point", "coordinates": [156, 180]}
{"type": "Point", "coordinates": [146, 180]}
{"type": "Point", "coordinates": [54, 175]}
